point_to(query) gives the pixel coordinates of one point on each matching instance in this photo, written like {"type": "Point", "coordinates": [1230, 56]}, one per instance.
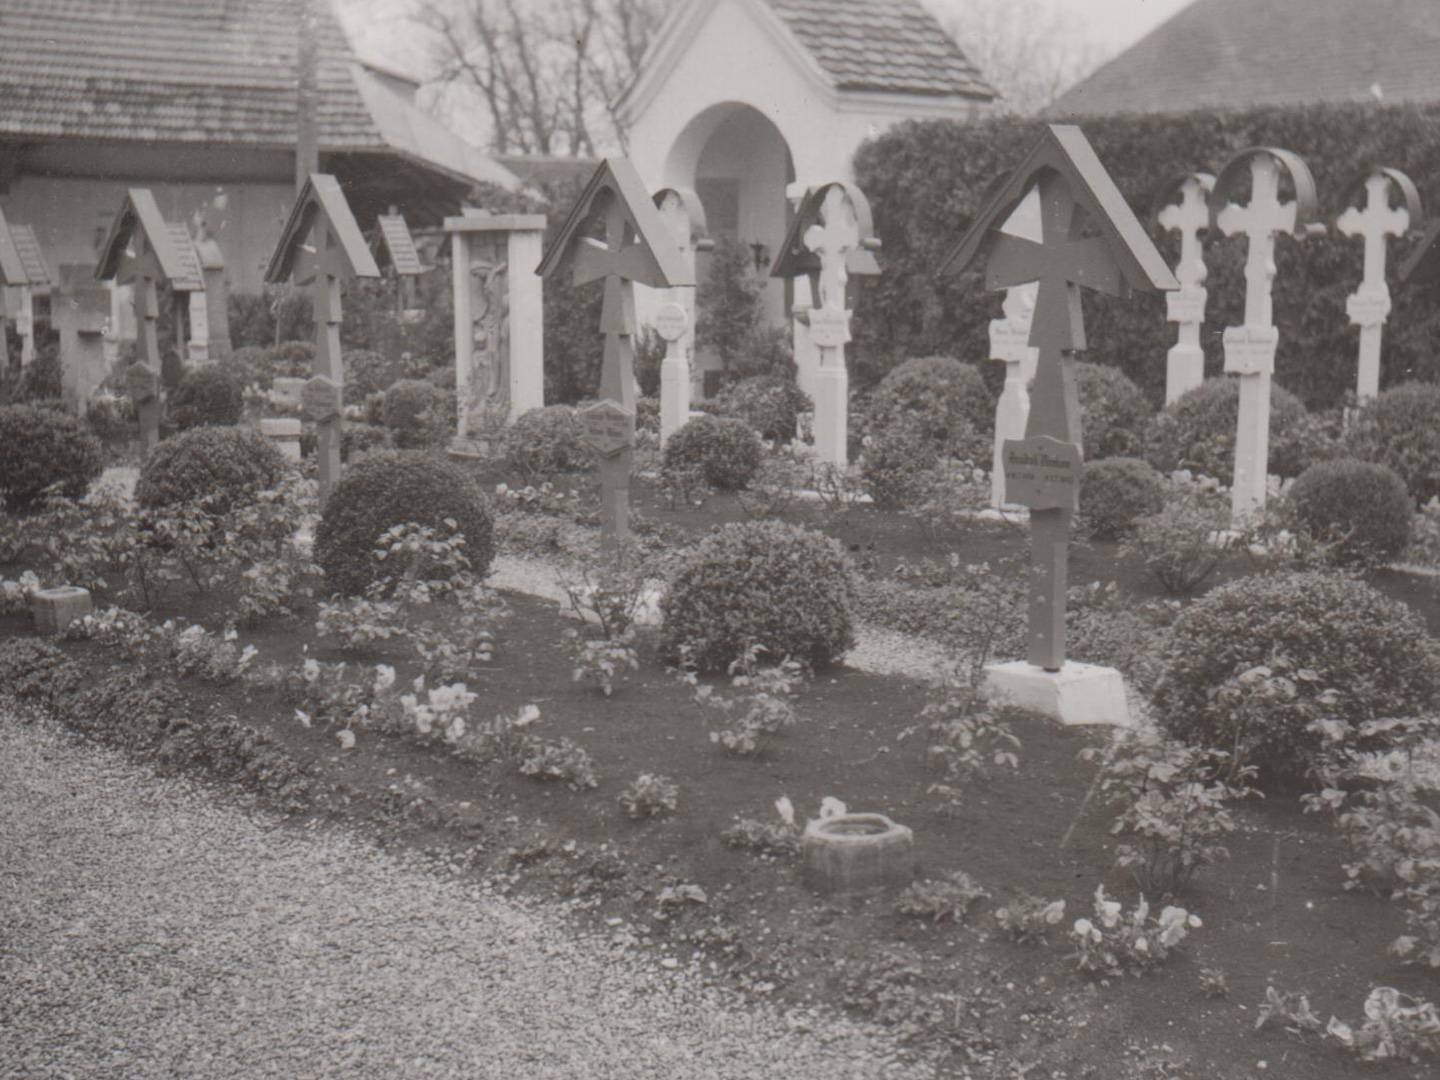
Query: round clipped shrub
{"type": "Point", "coordinates": [409, 413]}
{"type": "Point", "coordinates": [40, 447]}
{"type": "Point", "coordinates": [1398, 428]}
{"type": "Point", "coordinates": [786, 588]}
{"type": "Point", "coordinates": [207, 395]}
{"type": "Point", "coordinates": [725, 450]}
{"type": "Point", "coordinates": [1115, 492]}
{"type": "Point", "coordinates": [947, 400]}
{"type": "Point", "coordinates": [768, 403]}
{"type": "Point", "coordinates": [368, 372]}
{"type": "Point", "coordinates": [1364, 509]}
{"type": "Point", "coordinates": [1197, 432]}
{"type": "Point", "coordinates": [545, 442]}
{"type": "Point", "coordinates": [896, 465]}
{"type": "Point", "coordinates": [223, 463]}
{"type": "Point", "coordinates": [1113, 411]}
{"type": "Point", "coordinates": [389, 489]}
{"type": "Point", "coordinates": [251, 367]}
{"type": "Point", "coordinates": [1369, 655]}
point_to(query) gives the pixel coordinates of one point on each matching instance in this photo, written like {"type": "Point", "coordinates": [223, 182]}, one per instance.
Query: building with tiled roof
{"type": "Point", "coordinates": [1231, 54]}
{"type": "Point", "coordinates": [740, 100]}
{"type": "Point", "coordinates": [196, 99]}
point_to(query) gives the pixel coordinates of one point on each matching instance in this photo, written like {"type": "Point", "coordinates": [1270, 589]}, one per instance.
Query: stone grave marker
{"type": "Point", "coordinates": [499, 324]}
{"type": "Point", "coordinates": [209, 309]}
{"type": "Point", "coordinates": [1369, 305]}
{"type": "Point", "coordinates": [22, 270]}
{"type": "Point", "coordinates": [634, 246]}
{"type": "Point", "coordinates": [1250, 349]}
{"type": "Point", "coordinates": [1185, 307]}
{"type": "Point", "coordinates": [1089, 238]}
{"type": "Point", "coordinates": [320, 246]}
{"type": "Point", "coordinates": [1010, 344]}
{"type": "Point", "coordinates": [831, 239]}
{"type": "Point", "coordinates": [684, 218]}
{"type": "Point", "coordinates": [80, 311]}
{"type": "Point", "coordinates": [142, 383]}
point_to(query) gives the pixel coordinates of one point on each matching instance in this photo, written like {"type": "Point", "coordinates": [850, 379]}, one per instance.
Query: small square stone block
{"type": "Point", "coordinates": [1076, 694]}
{"type": "Point", "coordinates": [55, 609]}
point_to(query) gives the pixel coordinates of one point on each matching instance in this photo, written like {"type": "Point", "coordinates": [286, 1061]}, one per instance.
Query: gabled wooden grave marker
{"type": "Point", "coordinates": [831, 239]}
{"type": "Point", "coordinates": [321, 246]}
{"type": "Point", "coordinates": [1190, 217]}
{"type": "Point", "coordinates": [636, 247]}
{"type": "Point", "coordinates": [22, 270]}
{"type": "Point", "coordinates": [394, 246]}
{"type": "Point", "coordinates": [1089, 238]}
{"type": "Point", "coordinates": [209, 311]}
{"type": "Point", "coordinates": [684, 218]}
{"type": "Point", "coordinates": [1250, 349]}
{"type": "Point", "coordinates": [1369, 305]}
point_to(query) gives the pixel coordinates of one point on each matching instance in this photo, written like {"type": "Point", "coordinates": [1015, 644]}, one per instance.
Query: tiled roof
{"type": "Point", "coordinates": [890, 45]}
{"type": "Point", "coordinates": [1241, 53]}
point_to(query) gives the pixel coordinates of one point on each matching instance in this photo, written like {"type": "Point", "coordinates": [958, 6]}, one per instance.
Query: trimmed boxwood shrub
{"type": "Point", "coordinates": [1115, 492]}
{"type": "Point", "coordinates": [946, 400]}
{"type": "Point", "coordinates": [1401, 428]}
{"type": "Point", "coordinates": [768, 403]}
{"type": "Point", "coordinates": [1373, 654]}
{"type": "Point", "coordinates": [224, 462]}
{"type": "Point", "coordinates": [1363, 507]}
{"type": "Point", "coordinates": [1197, 432]}
{"type": "Point", "coordinates": [1113, 412]}
{"type": "Point", "coordinates": [768, 583]}
{"type": "Point", "coordinates": [410, 413]}
{"type": "Point", "coordinates": [726, 451]}
{"type": "Point", "coordinates": [40, 447]}
{"type": "Point", "coordinates": [545, 442]}
{"type": "Point", "coordinates": [369, 372]}
{"type": "Point", "coordinates": [897, 464]}
{"type": "Point", "coordinates": [207, 395]}
{"type": "Point", "coordinates": [394, 488]}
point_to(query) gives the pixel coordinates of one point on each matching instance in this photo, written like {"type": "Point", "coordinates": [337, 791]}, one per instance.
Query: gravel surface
{"type": "Point", "coordinates": [149, 928]}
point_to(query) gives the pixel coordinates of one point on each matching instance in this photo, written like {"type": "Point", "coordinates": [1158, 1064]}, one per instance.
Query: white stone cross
{"type": "Point", "coordinates": [1185, 363]}
{"type": "Point", "coordinates": [681, 221]}
{"type": "Point", "coordinates": [1250, 349]}
{"type": "Point", "coordinates": [832, 238]}
{"type": "Point", "coordinates": [1369, 305]}
{"type": "Point", "coordinates": [1010, 344]}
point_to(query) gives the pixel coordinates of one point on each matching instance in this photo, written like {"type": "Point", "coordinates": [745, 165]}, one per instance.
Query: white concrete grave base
{"type": "Point", "coordinates": [1076, 694]}
{"type": "Point", "coordinates": [55, 609]}
{"type": "Point", "coordinates": [284, 432]}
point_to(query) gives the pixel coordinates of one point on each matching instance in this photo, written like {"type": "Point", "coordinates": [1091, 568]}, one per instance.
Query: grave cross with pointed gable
{"type": "Point", "coordinates": [636, 247]}
{"type": "Point", "coordinates": [1042, 470]}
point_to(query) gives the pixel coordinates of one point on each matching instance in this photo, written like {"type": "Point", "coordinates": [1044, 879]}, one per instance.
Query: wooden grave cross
{"type": "Point", "coordinates": [1190, 217]}
{"type": "Point", "coordinates": [321, 246]}
{"type": "Point", "coordinates": [636, 247]}
{"type": "Point", "coordinates": [1250, 349]}
{"type": "Point", "coordinates": [1369, 305]}
{"type": "Point", "coordinates": [394, 242]}
{"type": "Point", "coordinates": [1114, 256]}
{"type": "Point", "coordinates": [831, 239]}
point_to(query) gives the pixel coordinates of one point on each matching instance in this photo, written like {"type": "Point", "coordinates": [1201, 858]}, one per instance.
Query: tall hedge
{"type": "Point", "coordinates": [926, 179]}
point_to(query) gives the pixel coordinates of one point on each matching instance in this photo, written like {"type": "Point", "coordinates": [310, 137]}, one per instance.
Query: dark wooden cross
{"type": "Point", "coordinates": [1042, 470]}
{"type": "Point", "coordinates": [636, 248]}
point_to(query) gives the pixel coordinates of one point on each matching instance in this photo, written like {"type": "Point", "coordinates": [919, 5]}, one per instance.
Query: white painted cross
{"type": "Point", "coordinates": [1010, 344]}
{"type": "Point", "coordinates": [1185, 363]}
{"type": "Point", "coordinates": [1369, 305]}
{"type": "Point", "coordinates": [1250, 349]}
{"type": "Point", "coordinates": [832, 238]}
{"type": "Point", "coordinates": [684, 218]}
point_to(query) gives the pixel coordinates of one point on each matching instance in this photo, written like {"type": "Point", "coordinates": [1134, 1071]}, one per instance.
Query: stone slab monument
{"type": "Point", "coordinates": [1010, 344]}
{"type": "Point", "coordinates": [321, 246]}
{"type": "Point", "coordinates": [80, 311]}
{"type": "Point", "coordinates": [1250, 349]}
{"type": "Point", "coordinates": [210, 308]}
{"type": "Point", "coordinates": [1089, 238]}
{"type": "Point", "coordinates": [22, 271]}
{"type": "Point", "coordinates": [684, 217]}
{"type": "Point", "coordinates": [1185, 307]}
{"type": "Point", "coordinates": [615, 234]}
{"type": "Point", "coordinates": [499, 323]}
{"type": "Point", "coordinates": [1375, 222]}
{"type": "Point", "coordinates": [831, 239]}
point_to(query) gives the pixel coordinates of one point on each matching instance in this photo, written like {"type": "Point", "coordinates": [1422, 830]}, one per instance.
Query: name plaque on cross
{"type": "Point", "coordinates": [142, 382]}
{"type": "Point", "coordinates": [320, 400]}
{"type": "Point", "coordinates": [1185, 306]}
{"type": "Point", "coordinates": [829, 328]}
{"type": "Point", "coordinates": [606, 427]}
{"type": "Point", "coordinates": [1042, 473]}
{"type": "Point", "coordinates": [1368, 309]}
{"type": "Point", "coordinates": [1250, 350]}
{"type": "Point", "coordinates": [671, 322]}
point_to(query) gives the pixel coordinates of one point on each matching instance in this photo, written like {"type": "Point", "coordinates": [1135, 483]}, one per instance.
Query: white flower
{"type": "Point", "coordinates": [303, 717]}
{"type": "Point", "coordinates": [783, 806]}
{"type": "Point", "coordinates": [457, 729]}
{"type": "Point", "coordinates": [347, 739]}
{"type": "Point", "coordinates": [311, 670]}
{"type": "Point", "coordinates": [231, 634]}
{"type": "Point", "coordinates": [384, 677]}
{"type": "Point", "coordinates": [1108, 910]}
{"type": "Point", "coordinates": [528, 715]}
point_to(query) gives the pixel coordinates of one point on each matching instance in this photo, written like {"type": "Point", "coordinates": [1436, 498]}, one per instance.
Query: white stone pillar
{"type": "Point", "coordinates": [684, 218]}
{"type": "Point", "coordinates": [673, 324]}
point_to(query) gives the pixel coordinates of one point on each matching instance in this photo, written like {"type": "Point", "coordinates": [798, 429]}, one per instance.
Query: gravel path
{"type": "Point", "coordinates": [150, 929]}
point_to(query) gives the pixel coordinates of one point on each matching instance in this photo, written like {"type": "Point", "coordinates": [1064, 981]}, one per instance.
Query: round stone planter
{"type": "Point", "coordinates": [853, 853]}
